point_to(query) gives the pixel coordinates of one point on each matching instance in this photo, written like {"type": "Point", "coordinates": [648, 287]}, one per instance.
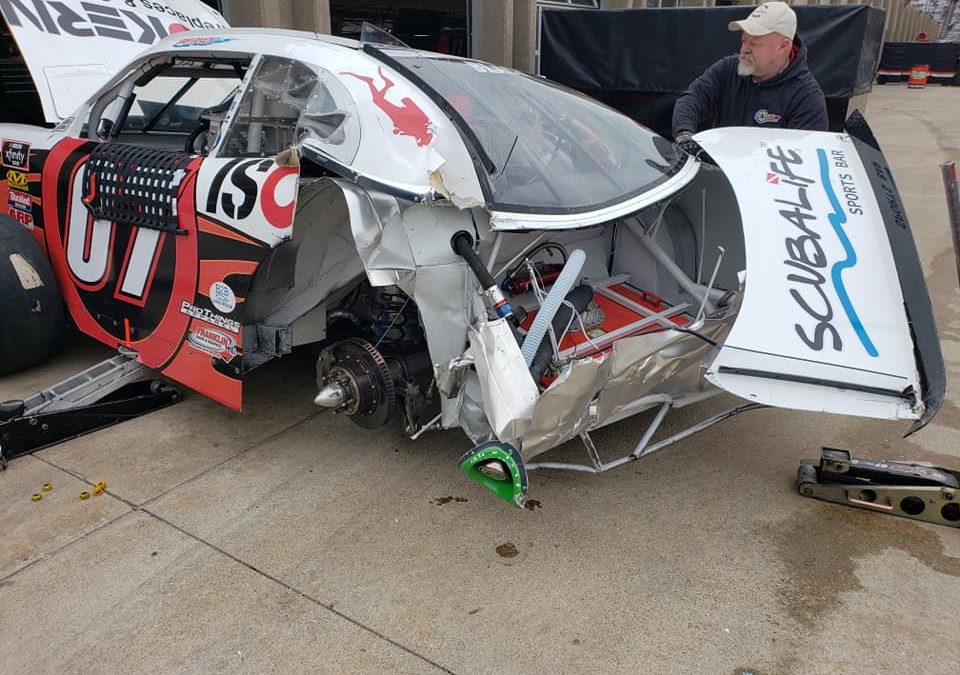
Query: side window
{"type": "Point", "coordinates": [288, 103]}
{"type": "Point", "coordinates": [175, 104]}
{"type": "Point", "coordinates": [330, 122]}
{"type": "Point", "coordinates": [178, 105]}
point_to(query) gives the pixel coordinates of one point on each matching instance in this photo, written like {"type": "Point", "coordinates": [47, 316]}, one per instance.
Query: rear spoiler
{"type": "Point", "coordinates": [923, 327]}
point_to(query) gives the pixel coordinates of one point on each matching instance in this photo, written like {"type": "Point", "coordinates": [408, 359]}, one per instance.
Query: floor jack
{"type": "Point", "coordinates": [917, 491]}
{"type": "Point", "coordinates": [100, 396]}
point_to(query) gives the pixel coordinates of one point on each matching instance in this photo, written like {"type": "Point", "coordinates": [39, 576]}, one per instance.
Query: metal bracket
{"type": "Point", "coordinates": [98, 397]}
{"type": "Point", "coordinates": [905, 489]}
{"type": "Point", "coordinates": [85, 387]}
{"type": "Point", "coordinates": [274, 340]}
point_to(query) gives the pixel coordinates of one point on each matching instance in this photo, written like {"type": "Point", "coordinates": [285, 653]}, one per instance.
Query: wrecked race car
{"type": "Point", "coordinates": [470, 247]}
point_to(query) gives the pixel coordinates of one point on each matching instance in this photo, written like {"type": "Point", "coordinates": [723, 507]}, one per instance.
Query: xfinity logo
{"type": "Point", "coordinates": [128, 22]}
{"type": "Point", "coordinates": [15, 154]}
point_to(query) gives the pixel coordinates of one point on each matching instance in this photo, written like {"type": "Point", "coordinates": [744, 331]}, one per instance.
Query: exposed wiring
{"type": "Point", "coordinates": [545, 246]}
{"type": "Point", "coordinates": [520, 255]}
{"type": "Point", "coordinates": [586, 335]}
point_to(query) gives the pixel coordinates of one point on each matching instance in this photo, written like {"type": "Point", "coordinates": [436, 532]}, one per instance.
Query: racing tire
{"type": "Point", "coordinates": [30, 301]}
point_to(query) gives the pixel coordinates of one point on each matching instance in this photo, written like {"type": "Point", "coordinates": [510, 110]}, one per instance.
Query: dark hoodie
{"type": "Point", "coordinates": [721, 98]}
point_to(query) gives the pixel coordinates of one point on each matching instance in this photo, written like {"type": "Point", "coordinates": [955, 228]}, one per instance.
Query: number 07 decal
{"type": "Point", "coordinates": [117, 277]}
{"type": "Point", "coordinates": [90, 251]}
{"type": "Point", "coordinates": [139, 266]}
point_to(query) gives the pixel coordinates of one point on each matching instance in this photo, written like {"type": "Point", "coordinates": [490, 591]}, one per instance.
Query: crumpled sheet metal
{"type": "Point", "coordinates": [376, 224]}
{"type": "Point", "coordinates": [451, 376]}
{"type": "Point", "coordinates": [561, 412]}
{"type": "Point", "coordinates": [407, 245]}
{"type": "Point", "coordinates": [509, 392]}
{"type": "Point", "coordinates": [315, 270]}
{"type": "Point", "coordinates": [591, 391]}
{"type": "Point", "coordinates": [468, 413]}
{"type": "Point", "coordinates": [669, 363]}
{"type": "Point", "coordinates": [442, 294]}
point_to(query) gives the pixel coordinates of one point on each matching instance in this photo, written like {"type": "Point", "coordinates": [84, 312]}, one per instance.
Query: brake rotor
{"type": "Point", "coordinates": [362, 371]}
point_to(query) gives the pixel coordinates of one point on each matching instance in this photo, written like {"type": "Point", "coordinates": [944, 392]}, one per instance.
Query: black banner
{"type": "Point", "coordinates": [940, 56]}
{"type": "Point", "coordinates": [663, 50]}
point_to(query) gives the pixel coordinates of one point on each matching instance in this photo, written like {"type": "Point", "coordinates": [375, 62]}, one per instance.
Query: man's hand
{"type": "Point", "coordinates": [684, 141]}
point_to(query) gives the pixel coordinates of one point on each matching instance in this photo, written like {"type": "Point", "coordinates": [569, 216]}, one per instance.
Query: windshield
{"type": "Point", "coordinates": [552, 149]}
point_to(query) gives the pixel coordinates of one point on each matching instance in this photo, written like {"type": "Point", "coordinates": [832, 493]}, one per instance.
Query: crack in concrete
{"type": "Point", "coordinates": [134, 508]}
{"type": "Point", "coordinates": [47, 556]}
{"type": "Point", "coordinates": [232, 457]}
{"type": "Point", "coordinates": [293, 589]}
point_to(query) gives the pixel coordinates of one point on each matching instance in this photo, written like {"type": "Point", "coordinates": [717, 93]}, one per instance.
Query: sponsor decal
{"type": "Point", "coordinates": [408, 119]}
{"type": "Point", "coordinates": [222, 297]}
{"type": "Point", "coordinates": [17, 180]}
{"type": "Point", "coordinates": [838, 218]}
{"type": "Point", "coordinates": [15, 154]}
{"type": "Point", "coordinates": [807, 259]}
{"type": "Point", "coordinates": [128, 20]}
{"type": "Point", "coordinates": [764, 116]}
{"type": "Point", "coordinates": [20, 200]}
{"type": "Point", "coordinates": [201, 41]}
{"type": "Point", "coordinates": [210, 317]}
{"type": "Point", "coordinates": [252, 183]}
{"type": "Point", "coordinates": [890, 195]}
{"type": "Point", "coordinates": [25, 219]}
{"type": "Point", "coordinates": [213, 342]}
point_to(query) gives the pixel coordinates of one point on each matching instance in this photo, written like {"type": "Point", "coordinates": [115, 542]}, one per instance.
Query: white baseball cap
{"type": "Point", "coordinates": [770, 17]}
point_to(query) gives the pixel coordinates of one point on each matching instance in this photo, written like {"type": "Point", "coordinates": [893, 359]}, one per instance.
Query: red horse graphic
{"type": "Point", "coordinates": [408, 119]}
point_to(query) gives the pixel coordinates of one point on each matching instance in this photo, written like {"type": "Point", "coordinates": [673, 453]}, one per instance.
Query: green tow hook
{"type": "Point", "coordinates": [499, 468]}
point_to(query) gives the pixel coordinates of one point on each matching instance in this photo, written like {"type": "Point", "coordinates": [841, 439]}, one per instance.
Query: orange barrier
{"type": "Point", "coordinates": [918, 77]}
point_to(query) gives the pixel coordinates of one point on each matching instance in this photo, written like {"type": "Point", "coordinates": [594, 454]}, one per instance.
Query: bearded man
{"type": "Point", "coordinates": [767, 84]}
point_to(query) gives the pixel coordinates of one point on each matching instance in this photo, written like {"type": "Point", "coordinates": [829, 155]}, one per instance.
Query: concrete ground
{"type": "Point", "coordinates": [284, 540]}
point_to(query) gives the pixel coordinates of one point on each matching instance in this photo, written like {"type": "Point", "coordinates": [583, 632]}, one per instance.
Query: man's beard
{"type": "Point", "coordinates": [746, 66]}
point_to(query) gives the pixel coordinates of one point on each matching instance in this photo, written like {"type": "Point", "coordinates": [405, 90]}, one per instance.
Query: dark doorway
{"type": "Point", "coordinates": [21, 104]}
{"type": "Point", "coordinates": [432, 25]}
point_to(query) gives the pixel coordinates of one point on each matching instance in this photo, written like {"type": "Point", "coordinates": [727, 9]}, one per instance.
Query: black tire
{"type": "Point", "coordinates": [30, 302]}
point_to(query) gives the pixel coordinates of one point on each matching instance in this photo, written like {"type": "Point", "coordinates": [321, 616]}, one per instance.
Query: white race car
{"type": "Point", "coordinates": [470, 246]}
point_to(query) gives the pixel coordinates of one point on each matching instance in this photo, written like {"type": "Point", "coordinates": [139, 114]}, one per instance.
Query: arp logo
{"type": "Point", "coordinates": [15, 154]}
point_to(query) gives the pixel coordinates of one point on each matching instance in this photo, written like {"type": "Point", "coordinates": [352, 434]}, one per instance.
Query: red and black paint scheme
{"type": "Point", "coordinates": [139, 265]}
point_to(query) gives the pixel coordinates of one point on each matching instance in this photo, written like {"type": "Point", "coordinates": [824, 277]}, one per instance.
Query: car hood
{"type": "Point", "coordinates": [72, 47]}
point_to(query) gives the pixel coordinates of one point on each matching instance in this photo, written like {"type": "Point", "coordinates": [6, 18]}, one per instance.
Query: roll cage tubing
{"type": "Point", "coordinates": [124, 88]}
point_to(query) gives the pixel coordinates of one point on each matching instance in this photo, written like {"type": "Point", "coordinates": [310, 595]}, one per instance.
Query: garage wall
{"type": "Point", "coordinates": [505, 31]}
{"type": "Point", "coordinates": [313, 15]}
